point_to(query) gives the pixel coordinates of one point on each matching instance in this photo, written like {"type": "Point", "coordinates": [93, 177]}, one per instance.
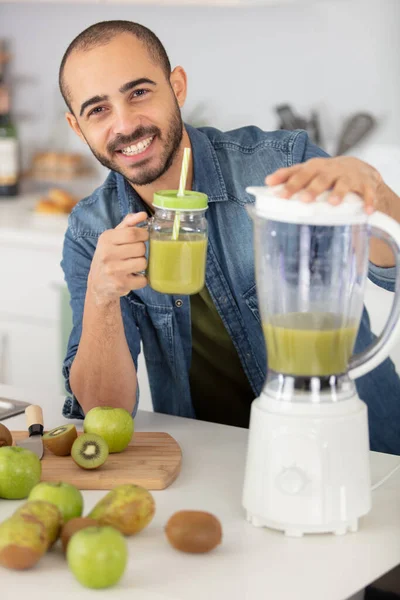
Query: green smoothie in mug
{"type": "Point", "coordinates": [178, 243]}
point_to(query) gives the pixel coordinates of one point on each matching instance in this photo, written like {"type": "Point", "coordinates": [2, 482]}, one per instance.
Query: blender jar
{"type": "Point", "coordinates": [311, 265]}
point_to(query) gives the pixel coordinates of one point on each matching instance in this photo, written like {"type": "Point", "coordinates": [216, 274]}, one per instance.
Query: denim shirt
{"type": "Point", "coordinates": [225, 163]}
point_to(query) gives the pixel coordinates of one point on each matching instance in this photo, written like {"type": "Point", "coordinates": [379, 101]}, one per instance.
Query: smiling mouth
{"type": "Point", "coordinates": [135, 149]}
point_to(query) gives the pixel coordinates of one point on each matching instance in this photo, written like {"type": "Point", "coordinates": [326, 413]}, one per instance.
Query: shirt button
{"type": "Point", "coordinates": [178, 303]}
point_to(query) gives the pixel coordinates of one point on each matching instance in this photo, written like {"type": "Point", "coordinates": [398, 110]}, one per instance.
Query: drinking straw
{"type": "Point", "coordinates": [181, 191]}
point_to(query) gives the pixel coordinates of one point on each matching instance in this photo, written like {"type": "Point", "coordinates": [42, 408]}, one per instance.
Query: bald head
{"type": "Point", "coordinates": [102, 34]}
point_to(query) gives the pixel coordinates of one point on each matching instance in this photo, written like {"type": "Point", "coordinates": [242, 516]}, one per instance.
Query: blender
{"type": "Point", "coordinates": [307, 466]}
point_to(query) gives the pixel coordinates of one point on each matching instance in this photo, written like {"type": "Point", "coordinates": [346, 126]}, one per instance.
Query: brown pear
{"type": "Point", "coordinates": [23, 541]}
{"type": "Point", "coordinates": [129, 508]}
{"type": "Point", "coordinates": [47, 513]}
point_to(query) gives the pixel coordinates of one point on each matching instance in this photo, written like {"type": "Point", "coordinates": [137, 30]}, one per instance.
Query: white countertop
{"type": "Point", "coordinates": [251, 563]}
{"type": "Point", "coordinates": [20, 224]}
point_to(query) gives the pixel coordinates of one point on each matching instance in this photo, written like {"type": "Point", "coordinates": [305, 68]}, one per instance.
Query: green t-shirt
{"type": "Point", "coordinates": [220, 390]}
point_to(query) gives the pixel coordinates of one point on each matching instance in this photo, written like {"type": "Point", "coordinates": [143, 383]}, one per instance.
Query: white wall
{"type": "Point", "coordinates": [338, 56]}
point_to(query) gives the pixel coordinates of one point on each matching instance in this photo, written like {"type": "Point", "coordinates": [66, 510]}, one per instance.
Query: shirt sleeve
{"type": "Point", "coordinates": [304, 150]}
{"type": "Point", "coordinates": [384, 277]}
{"type": "Point", "coordinates": [76, 261]}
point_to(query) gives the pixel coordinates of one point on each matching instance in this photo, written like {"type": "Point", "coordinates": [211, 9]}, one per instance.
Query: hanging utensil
{"type": "Point", "coordinates": [288, 118]}
{"type": "Point", "coordinates": [354, 130]}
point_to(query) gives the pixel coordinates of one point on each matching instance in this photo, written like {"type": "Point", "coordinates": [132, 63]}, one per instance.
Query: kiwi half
{"type": "Point", "coordinates": [5, 436]}
{"type": "Point", "coordinates": [59, 440]}
{"type": "Point", "coordinates": [89, 451]}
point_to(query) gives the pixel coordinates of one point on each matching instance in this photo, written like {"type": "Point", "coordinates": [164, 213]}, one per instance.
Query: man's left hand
{"type": "Point", "coordinates": [341, 175]}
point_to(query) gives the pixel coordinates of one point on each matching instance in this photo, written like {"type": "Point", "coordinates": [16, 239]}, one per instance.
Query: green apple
{"type": "Point", "coordinates": [114, 425]}
{"type": "Point", "coordinates": [65, 496]}
{"type": "Point", "coordinates": [97, 556]}
{"type": "Point", "coordinates": [20, 471]}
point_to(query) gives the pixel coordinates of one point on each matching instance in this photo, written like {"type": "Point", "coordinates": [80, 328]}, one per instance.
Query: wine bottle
{"type": "Point", "coordinates": [9, 156]}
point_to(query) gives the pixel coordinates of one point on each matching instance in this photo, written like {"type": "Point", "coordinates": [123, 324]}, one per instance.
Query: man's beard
{"type": "Point", "coordinates": [143, 175]}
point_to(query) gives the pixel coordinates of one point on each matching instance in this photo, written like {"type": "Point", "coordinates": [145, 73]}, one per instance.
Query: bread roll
{"type": "Point", "coordinates": [48, 207]}
{"type": "Point", "coordinates": [62, 198]}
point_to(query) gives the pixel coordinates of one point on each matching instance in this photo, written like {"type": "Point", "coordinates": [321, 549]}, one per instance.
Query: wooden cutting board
{"type": "Point", "coordinates": [152, 460]}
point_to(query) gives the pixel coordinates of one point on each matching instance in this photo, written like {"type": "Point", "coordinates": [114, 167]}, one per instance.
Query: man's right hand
{"type": "Point", "coordinates": [119, 255]}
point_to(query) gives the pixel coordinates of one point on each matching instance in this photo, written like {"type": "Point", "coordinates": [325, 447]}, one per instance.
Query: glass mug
{"type": "Point", "coordinates": [177, 242]}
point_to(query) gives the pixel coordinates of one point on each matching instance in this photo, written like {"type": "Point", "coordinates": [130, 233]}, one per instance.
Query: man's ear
{"type": "Point", "coordinates": [178, 80]}
{"type": "Point", "coordinates": [73, 123]}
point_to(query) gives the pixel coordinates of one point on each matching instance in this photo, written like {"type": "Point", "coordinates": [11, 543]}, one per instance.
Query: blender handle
{"type": "Point", "coordinates": [387, 229]}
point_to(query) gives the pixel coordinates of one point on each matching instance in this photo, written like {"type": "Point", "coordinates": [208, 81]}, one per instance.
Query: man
{"type": "Point", "coordinates": [205, 354]}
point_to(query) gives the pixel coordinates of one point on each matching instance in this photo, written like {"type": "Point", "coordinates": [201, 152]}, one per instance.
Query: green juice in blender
{"type": "Point", "coordinates": [309, 344]}
{"type": "Point", "coordinates": [177, 266]}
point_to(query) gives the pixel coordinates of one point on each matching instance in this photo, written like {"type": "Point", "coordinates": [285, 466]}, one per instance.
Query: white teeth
{"type": "Point", "coordinates": [137, 148]}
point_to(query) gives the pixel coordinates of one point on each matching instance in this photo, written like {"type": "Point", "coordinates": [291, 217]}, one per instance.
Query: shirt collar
{"type": "Point", "coordinates": [207, 176]}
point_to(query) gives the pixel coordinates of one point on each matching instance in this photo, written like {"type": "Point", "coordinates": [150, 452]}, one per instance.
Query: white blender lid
{"type": "Point", "coordinates": [293, 210]}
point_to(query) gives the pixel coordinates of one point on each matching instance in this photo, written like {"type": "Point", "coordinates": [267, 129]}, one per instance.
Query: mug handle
{"type": "Point", "coordinates": [387, 229]}
{"type": "Point", "coordinates": [143, 225]}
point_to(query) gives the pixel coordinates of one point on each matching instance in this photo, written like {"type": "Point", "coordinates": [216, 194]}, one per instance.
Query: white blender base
{"type": "Point", "coordinates": [298, 531]}
{"type": "Point", "coordinates": [307, 467]}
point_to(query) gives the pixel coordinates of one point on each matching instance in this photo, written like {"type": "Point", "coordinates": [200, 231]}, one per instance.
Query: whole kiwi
{"type": "Point", "coordinates": [5, 436]}
{"type": "Point", "coordinates": [74, 525]}
{"type": "Point", "coordinates": [193, 531]}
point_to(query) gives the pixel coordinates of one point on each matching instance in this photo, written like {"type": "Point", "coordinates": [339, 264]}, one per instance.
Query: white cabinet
{"type": "Point", "coordinates": [30, 355]}
{"type": "Point", "coordinates": [27, 275]}
{"type": "Point", "coordinates": [33, 309]}
{"type": "Point", "coordinates": [30, 275]}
